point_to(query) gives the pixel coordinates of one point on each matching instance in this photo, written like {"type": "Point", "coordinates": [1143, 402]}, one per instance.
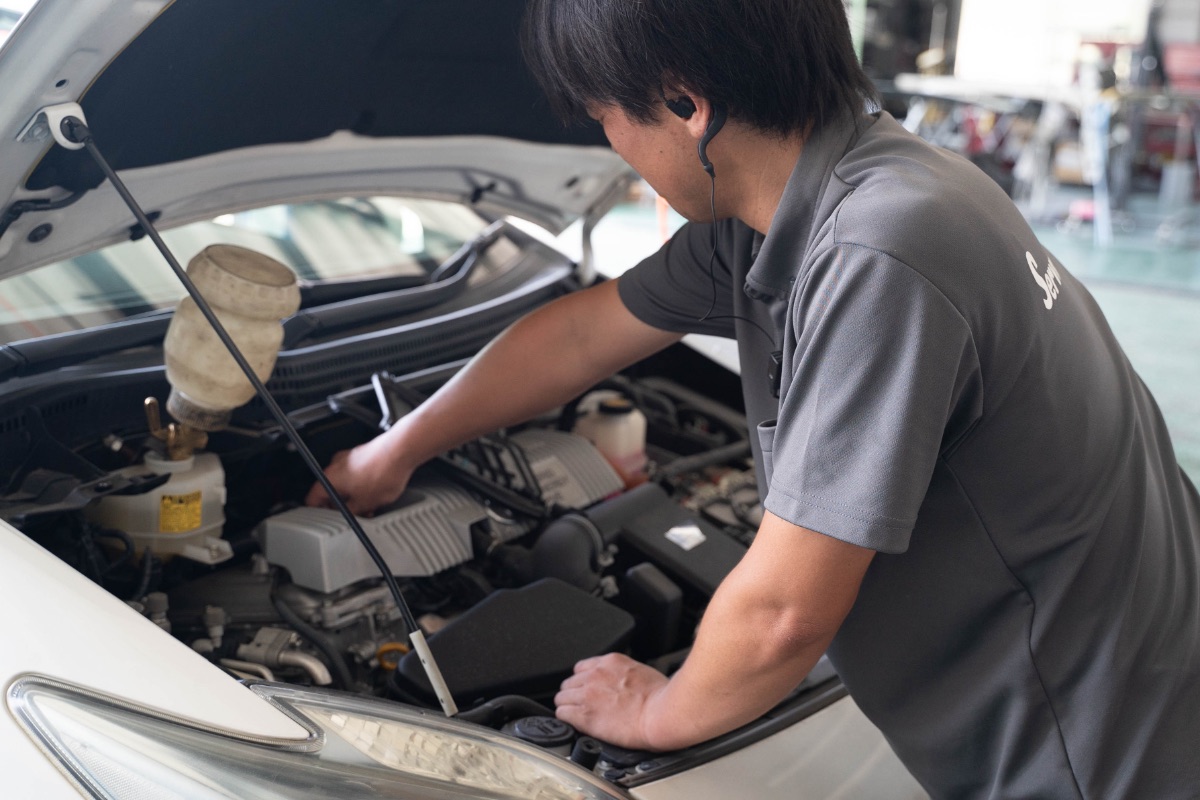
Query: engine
{"type": "Point", "coordinates": [520, 553]}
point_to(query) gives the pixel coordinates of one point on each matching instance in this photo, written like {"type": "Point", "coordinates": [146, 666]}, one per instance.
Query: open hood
{"type": "Point", "coordinates": [204, 105]}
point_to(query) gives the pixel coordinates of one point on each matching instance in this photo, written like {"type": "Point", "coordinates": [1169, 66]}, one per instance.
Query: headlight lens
{"type": "Point", "coordinates": [358, 747]}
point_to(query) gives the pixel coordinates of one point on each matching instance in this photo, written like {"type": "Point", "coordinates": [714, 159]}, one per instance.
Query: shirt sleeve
{"type": "Point", "coordinates": [673, 290]}
{"type": "Point", "coordinates": [884, 379]}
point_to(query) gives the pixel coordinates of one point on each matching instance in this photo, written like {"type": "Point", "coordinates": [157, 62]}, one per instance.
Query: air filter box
{"type": "Point", "coordinates": [518, 641]}
{"type": "Point", "coordinates": [685, 547]}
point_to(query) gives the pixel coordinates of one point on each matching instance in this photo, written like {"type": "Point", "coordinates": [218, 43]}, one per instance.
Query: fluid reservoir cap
{"type": "Point", "coordinates": [616, 406]}
{"type": "Point", "coordinates": [161, 465]}
{"type": "Point", "coordinates": [546, 732]}
{"type": "Point", "coordinates": [185, 410]}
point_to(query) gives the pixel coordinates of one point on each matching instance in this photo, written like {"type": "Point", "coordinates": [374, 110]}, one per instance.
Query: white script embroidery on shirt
{"type": "Point", "coordinates": [1051, 282]}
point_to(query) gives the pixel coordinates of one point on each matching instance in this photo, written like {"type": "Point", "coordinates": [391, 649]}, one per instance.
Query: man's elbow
{"type": "Point", "coordinates": [792, 634]}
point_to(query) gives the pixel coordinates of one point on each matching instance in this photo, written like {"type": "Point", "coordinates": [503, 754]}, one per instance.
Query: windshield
{"type": "Point", "coordinates": [11, 12]}
{"type": "Point", "coordinates": [327, 240]}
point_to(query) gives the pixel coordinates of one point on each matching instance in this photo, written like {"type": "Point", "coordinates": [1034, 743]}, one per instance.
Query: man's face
{"type": "Point", "coordinates": [664, 154]}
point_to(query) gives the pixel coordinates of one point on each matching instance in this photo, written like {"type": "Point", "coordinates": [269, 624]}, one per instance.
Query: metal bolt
{"type": "Point", "coordinates": [38, 131]}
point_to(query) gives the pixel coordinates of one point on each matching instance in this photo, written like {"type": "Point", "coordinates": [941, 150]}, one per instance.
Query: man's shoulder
{"type": "Point", "coordinates": [898, 185]}
{"type": "Point", "coordinates": [923, 206]}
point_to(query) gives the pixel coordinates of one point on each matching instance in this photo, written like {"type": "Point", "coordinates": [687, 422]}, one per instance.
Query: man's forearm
{"type": "Point", "coordinates": [746, 658]}
{"type": "Point", "coordinates": [541, 362]}
{"type": "Point", "coordinates": [765, 627]}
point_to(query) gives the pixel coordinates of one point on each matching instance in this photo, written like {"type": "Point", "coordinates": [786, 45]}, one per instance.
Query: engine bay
{"type": "Point", "coordinates": [519, 553]}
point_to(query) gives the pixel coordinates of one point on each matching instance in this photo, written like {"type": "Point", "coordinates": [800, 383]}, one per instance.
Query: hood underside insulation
{"type": "Point", "coordinates": [214, 75]}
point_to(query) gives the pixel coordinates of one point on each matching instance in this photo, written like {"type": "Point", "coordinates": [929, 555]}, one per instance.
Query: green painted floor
{"type": "Point", "coordinates": [1150, 293]}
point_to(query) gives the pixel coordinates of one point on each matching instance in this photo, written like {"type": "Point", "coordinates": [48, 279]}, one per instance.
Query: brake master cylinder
{"type": "Point", "coordinates": [185, 515]}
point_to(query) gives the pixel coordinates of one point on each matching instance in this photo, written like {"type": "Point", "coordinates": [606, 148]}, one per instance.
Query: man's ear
{"type": "Point", "coordinates": [701, 118]}
{"type": "Point", "coordinates": [706, 113]}
{"type": "Point", "coordinates": [693, 109]}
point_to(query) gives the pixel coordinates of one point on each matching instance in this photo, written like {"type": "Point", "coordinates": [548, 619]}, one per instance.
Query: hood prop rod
{"type": "Point", "coordinates": [73, 134]}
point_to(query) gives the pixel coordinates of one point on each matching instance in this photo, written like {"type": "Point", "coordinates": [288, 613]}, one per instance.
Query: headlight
{"type": "Point", "coordinates": [358, 748]}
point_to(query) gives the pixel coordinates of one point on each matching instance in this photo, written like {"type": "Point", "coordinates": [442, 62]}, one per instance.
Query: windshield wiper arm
{"type": "Point", "coordinates": [321, 293]}
{"type": "Point", "coordinates": [446, 283]}
{"type": "Point", "coordinates": [47, 353]}
{"type": "Point", "coordinates": [460, 265]}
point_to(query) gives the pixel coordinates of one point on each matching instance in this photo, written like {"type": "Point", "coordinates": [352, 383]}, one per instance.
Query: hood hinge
{"type": "Point", "coordinates": [46, 125]}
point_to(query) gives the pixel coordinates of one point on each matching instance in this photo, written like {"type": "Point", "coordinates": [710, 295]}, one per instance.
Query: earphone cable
{"type": "Point", "coordinates": [712, 203]}
{"type": "Point", "coordinates": [712, 257]}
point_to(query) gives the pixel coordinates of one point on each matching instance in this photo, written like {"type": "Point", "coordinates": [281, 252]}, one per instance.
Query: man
{"type": "Point", "coordinates": [970, 499]}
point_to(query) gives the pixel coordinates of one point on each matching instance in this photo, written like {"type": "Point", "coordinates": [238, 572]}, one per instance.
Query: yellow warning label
{"type": "Point", "coordinates": [179, 513]}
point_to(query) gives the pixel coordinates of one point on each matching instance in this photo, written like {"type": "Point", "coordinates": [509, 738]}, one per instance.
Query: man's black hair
{"type": "Point", "coordinates": [775, 64]}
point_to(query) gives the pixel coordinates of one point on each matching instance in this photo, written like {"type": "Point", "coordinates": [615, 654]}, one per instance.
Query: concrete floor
{"type": "Point", "coordinates": [1150, 293]}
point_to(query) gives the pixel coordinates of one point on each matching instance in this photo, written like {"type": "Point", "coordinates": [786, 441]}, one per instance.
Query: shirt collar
{"type": "Point", "coordinates": [779, 254]}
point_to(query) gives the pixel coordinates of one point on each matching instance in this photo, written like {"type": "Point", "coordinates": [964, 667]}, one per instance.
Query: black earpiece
{"type": "Point", "coordinates": [683, 107]}
{"type": "Point", "coordinates": [714, 127]}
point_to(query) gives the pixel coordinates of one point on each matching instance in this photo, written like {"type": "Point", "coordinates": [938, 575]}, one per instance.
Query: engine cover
{"type": "Point", "coordinates": [569, 468]}
{"type": "Point", "coordinates": [427, 531]}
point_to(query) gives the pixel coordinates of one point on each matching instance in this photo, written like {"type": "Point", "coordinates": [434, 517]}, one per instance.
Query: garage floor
{"type": "Point", "coordinates": [1150, 293]}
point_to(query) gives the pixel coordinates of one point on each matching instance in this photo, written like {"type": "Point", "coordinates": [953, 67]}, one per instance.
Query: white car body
{"type": "Point", "coordinates": [61, 626]}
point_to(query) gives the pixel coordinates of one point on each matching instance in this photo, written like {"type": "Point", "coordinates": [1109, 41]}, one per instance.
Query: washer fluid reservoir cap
{"type": "Point", "coordinates": [548, 732]}
{"type": "Point", "coordinates": [616, 406]}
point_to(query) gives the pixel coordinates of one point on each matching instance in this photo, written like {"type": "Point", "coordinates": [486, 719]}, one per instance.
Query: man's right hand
{"type": "Point", "coordinates": [548, 357]}
{"type": "Point", "coordinates": [367, 477]}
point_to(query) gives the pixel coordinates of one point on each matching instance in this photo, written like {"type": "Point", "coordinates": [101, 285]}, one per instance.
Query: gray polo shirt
{"type": "Point", "coordinates": [954, 399]}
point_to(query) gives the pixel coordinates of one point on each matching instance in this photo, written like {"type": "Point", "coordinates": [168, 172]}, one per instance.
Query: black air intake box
{"type": "Point", "coordinates": [518, 641]}
{"type": "Point", "coordinates": [682, 545]}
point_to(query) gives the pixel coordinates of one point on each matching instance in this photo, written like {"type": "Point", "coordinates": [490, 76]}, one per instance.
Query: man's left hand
{"type": "Point", "coordinates": [608, 697]}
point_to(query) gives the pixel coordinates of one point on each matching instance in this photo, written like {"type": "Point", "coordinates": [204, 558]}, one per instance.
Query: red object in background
{"type": "Point", "coordinates": [1168, 136]}
{"type": "Point", "coordinates": [1181, 62]}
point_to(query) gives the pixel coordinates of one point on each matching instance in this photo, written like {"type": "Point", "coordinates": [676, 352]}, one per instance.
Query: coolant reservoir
{"type": "Point", "coordinates": [618, 430]}
{"type": "Point", "coordinates": [250, 293]}
{"type": "Point", "coordinates": [184, 516]}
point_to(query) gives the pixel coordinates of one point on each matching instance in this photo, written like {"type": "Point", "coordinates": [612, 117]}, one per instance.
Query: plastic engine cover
{"type": "Point", "coordinates": [569, 468]}
{"type": "Point", "coordinates": [429, 530]}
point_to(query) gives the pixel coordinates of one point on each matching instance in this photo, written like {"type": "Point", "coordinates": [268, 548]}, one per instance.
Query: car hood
{"type": "Point", "coordinates": [204, 106]}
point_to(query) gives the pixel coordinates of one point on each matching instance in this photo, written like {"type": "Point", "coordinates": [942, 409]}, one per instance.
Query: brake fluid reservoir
{"type": "Point", "coordinates": [618, 430]}
{"type": "Point", "coordinates": [183, 517]}
{"type": "Point", "coordinates": [250, 293]}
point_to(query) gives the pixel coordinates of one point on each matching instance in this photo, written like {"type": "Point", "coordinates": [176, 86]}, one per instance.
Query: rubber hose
{"type": "Point", "coordinates": [126, 539]}
{"type": "Point", "coordinates": [148, 560]}
{"type": "Point", "coordinates": [702, 460]}
{"type": "Point", "coordinates": [337, 664]}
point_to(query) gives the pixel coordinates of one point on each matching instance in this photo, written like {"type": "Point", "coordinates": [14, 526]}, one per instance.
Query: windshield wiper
{"type": "Point", "coordinates": [48, 353]}
{"type": "Point", "coordinates": [445, 283]}
{"type": "Point", "coordinates": [322, 293]}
